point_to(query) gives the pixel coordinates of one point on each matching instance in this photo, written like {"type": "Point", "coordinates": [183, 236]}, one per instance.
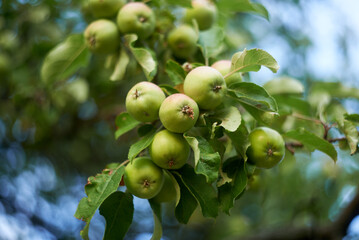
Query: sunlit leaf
{"type": "Point", "coordinates": [351, 133]}
{"type": "Point", "coordinates": [125, 122]}
{"type": "Point", "coordinates": [210, 42]}
{"type": "Point", "coordinates": [230, 118]}
{"type": "Point", "coordinates": [175, 72]}
{"type": "Point", "coordinates": [254, 95]}
{"type": "Point", "coordinates": [243, 6]}
{"type": "Point", "coordinates": [240, 140]}
{"type": "Point", "coordinates": [207, 160]}
{"type": "Point", "coordinates": [252, 60]}
{"type": "Point", "coordinates": [284, 85]}
{"type": "Point", "coordinates": [144, 57]}
{"type": "Point", "coordinates": [97, 189]}
{"type": "Point", "coordinates": [182, 3]}
{"type": "Point", "coordinates": [312, 141]}
{"type": "Point", "coordinates": [65, 59]}
{"type": "Point", "coordinates": [142, 144]}
{"type": "Point", "coordinates": [120, 67]}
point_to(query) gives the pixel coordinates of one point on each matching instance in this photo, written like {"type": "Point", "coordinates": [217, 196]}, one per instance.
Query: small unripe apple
{"type": "Point", "coordinates": [224, 67]}
{"type": "Point", "coordinates": [178, 113]}
{"type": "Point", "coordinates": [102, 36]}
{"type": "Point", "coordinates": [143, 178]}
{"type": "Point", "coordinates": [204, 12]}
{"type": "Point", "coordinates": [169, 150]}
{"type": "Point", "coordinates": [183, 41]}
{"type": "Point", "coordinates": [168, 191]}
{"type": "Point", "coordinates": [206, 86]}
{"type": "Point", "coordinates": [267, 147]}
{"type": "Point", "coordinates": [137, 18]}
{"type": "Point", "coordinates": [144, 100]}
{"type": "Point", "coordinates": [105, 8]}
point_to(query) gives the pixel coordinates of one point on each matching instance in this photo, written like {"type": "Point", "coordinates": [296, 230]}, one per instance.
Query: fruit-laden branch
{"type": "Point", "coordinates": [332, 231]}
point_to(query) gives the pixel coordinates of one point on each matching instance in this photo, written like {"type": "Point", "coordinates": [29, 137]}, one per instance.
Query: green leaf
{"type": "Point", "coordinates": [288, 104]}
{"type": "Point", "coordinates": [235, 169]}
{"type": "Point", "coordinates": [144, 57]}
{"type": "Point", "coordinates": [211, 42]}
{"type": "Point", "coordinates": [252, 60]}
{"type": "Point", "coordinates": [351, 133]}
{"type": "Point", "coordinates": [175, 183]}
{"type": "Point", "coordinates": [240, 140]}
{"type": "Point", "coordinates": [97, 189]}
{"type": "Point", "coordinates": [121, 65]}
{"type": "Point", "coordinates": [352, 117]}
{"type": "Point", "coordinates": [242, 6]}
{"type": "Point", "coordinates": [187, 203]}
{"type": "Point", "coordinates": [335, 89]}
{"type": "Point", "coordinates": [261, 116]}
{"type": "Point", "coordinates": [167, 89]}
{"type": "Point", "coordinates": [124, 122]}
{"type": "Point", "coordinates": [207, 161]}
{"type": "Point", "coordinates": [312, 141]}
{"type": "Point", "coordinates": [175, 72]}
{"type": "Point", "coordinates": [137, 147]}
{"type": "Point", "coordinates": [118, 210]}
{"type": "Point", "coordinates": [201, 190]}
{"type": "Point", "coordinates": [144, 129]}
{"type": "Point", "coordinates": [182, 3]}
{"type": "Point", "coordinates": [254, 95]}
{"type": "Point", "coordinates": [65, 59]}
{"type": "Point", "coordinates": [231, 118]}
{"type": "Point", "coordinates": [157, 217]}
{"type": "Point", "coordinates": [284, 85]}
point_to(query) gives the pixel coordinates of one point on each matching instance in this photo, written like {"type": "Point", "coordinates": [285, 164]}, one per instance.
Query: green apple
{"type": "Point", "coordinates": [183, 41]}
{"type": "Point", "coordinates": [137, 18]}
{"type": "Point", "coordinates": [105, 8]}
{"type": "Point", "coordinates": [102, 37]}
{"type": "Point", "coordinates": [169, 150]}
{"type": "Point", "coordinates": [267, 147]}
{"type": "Point", "coordinates": [204, 12]}
{"type": "Point", "coordinates": [144, 100]}
{"type": "Point", "coordinates": [206, 86]}
{"type": "Point", "coordinates": [143, 178]}
{"type": "Point", "coordinates": [168, 190]}
{"type": "Point", "coordinates": [178, 113]}
{"type": "Point", "coordinates": [224, 67]}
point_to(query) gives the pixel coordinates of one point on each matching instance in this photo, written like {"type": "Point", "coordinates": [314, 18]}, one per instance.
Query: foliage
{"type": "Point", "coordinates": [218, 172]}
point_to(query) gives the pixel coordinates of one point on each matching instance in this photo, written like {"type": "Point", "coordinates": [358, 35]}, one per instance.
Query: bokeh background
{"type": "Point", "coordinates": [51, 139]}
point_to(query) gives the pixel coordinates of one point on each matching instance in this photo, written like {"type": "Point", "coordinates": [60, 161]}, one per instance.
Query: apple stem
{"type": "Point", "coordinates": [136, 94]}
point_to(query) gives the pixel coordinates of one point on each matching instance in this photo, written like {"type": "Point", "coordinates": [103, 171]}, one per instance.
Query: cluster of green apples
{"type": "Point", "coordinates": [204, 89]}
{"type": "Point", "coordinates": [103, 35]}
